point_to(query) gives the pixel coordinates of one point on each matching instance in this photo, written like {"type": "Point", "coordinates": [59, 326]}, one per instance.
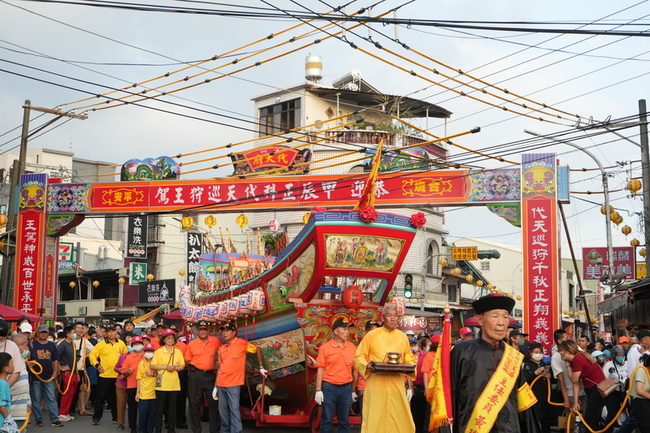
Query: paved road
{"type": "Point", "coordinates": [83, 425]}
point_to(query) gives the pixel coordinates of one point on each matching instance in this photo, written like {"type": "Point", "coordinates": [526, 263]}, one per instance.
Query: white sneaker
{"type": "Point", "coordinates": [65, 418]}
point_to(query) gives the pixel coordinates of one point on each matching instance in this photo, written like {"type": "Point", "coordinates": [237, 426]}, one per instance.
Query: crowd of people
{"type": "Point", "coordinates": [500, 381]}
{"type": "Point", "coordinates": [492, 372]}
{"type": "Point", "coordinates": [146, 381]}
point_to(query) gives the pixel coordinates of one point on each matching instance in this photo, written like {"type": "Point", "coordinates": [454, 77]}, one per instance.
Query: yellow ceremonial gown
{"type": "Point", "coordinates": [385, 407]}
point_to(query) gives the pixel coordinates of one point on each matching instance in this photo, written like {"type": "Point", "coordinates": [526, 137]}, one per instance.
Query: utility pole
{"type": "Point", "coordinates": [645, 178]}
{"type": "Point", "coordinates": [18, 168]}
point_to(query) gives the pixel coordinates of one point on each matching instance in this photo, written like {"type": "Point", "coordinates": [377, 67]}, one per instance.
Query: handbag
{"type": "Point", "coordinates": [9, 425]}
{"type": "Point", "coordinates": [606, 387]}
{"type": "Point", "coordinates": [563, 420]}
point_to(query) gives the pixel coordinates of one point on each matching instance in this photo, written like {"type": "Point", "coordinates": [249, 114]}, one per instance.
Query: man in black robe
{"type": "Point", "coordinates": [474, 361]}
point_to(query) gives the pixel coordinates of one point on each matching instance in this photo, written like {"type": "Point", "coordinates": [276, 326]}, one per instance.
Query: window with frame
{"type": "Point", "coordinates": [451, 293]}
{"type": "Point", "coordinates": [280, 117]}
{"type": "Point", "coordinates": [433, 258]}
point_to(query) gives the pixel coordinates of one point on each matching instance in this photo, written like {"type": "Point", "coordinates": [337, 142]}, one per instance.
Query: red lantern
{"type": "Point", "coordinates": [352, 297]}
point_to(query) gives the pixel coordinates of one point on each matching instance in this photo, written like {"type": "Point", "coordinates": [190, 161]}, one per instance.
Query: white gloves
{"type": "Point", "coordinates": [318, 397]}
{"type": "Point", "coordinates": [354, 397]}
{"type": "Point", "coordinates": [215, 394]}
{"type": "Point", "coordinates": [409, 394]}
{"type": "Point", "coordinates": [264, 372]}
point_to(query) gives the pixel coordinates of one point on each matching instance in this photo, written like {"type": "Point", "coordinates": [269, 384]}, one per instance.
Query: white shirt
{"type": "Point", "coordinates": [634, 358]}
{"type": "Point", "coordinates": [78, 345]}
{"type": "Point", "coordinates": [12, 349]}
{"type": "Point", "coordinates": [617, 372]}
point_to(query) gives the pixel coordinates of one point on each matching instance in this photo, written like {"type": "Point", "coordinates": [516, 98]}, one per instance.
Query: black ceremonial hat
{"type": "Point", "coordinates": [493, 301]}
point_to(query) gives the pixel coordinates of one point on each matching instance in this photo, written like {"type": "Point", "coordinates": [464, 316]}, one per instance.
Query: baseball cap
{"type": "Point", "coordinates": [413, 340]}
{"type": "Point", "coordinates": [167, 332]}
{"type": "Point", "coordinates": [341, 323]}
{"type": "Point", "coordinates": [626, 339]}
{"type": "Point", "coordinates": [43, 328]}
{"type": "Point", "coordinates": [160, 325]}
{"type": "Point", "coordinates": [147, 336]}
{"type": "Point", "coordinates": [128, 321]}
{"type": "Point", "coordinates": [149, 348]}
{"type": "Point", "coordinates": [516, 332]}
{"type": "Point", "coordinates": [466, 330]}
{"type": "Point", "coordinates": [136, 339]}
{"type": "Point", "coordinates": [371, 323]}
{"type": "Point", "coordinates": [26, 327]}
{"type": "Point", "coordinates": [229, 327]}
{"type": "Point", "coordinates": [110, 327]}
{"type": "Point", "coordinates": [173, 328]}
{"type": "Point", "coordinates": [642, 333]}
{"type": "Point", "coordinates": [201, 324]}
{"type": "Point", "coordinates": [435, 338]}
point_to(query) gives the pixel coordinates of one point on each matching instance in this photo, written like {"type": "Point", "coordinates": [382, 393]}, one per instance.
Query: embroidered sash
{"type": "Point", "coordinates": [496, 392]}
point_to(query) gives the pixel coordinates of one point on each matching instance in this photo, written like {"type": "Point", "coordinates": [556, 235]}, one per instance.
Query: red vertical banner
{"type": "Point", "coordinates": [541, 248]}
{"type": "Point", "coordinates": [30, 244]}
{"type": "Point", "coordinates": [51, 278]}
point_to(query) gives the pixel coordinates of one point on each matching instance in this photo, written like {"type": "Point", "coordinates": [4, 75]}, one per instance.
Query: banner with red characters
{"type": "Point", "coordinates": [541, 248]}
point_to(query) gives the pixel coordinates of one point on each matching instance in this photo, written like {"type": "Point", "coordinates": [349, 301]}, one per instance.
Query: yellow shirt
{"type": "Point", "coordinates": [147, 383]}
{"type": "Point", "coordinates": [107, 354]}
{"type": "Point", "coordinates": [170, 380]}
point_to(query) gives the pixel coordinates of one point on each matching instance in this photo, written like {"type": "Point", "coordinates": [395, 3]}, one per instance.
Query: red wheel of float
{"type": "Point", "coordinates": [314, 419]}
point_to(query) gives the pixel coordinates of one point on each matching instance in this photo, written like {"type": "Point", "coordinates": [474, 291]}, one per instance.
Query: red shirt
{"type": "Point", "coordinates": [591, 374]}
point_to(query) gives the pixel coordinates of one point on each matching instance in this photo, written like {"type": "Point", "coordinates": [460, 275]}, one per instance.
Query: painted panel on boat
{"type": "Point", "coordinates": [282, 350]}
{"type": "Point", "coordinates": [374, 253]}
{"type": "Point", "coordinates": [291, 282]}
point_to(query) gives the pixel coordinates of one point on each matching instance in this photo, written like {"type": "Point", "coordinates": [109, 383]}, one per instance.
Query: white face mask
{"type": "Point", "coordinates": [537, 356]}
{"type": "Point", "coordinates": [148, 355]}
{"type": "Point", "coordinates": [138, 347]}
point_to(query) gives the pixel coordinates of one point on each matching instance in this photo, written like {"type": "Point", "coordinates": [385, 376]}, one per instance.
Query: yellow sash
{"type": "Point", "coordinates": [496, 392]}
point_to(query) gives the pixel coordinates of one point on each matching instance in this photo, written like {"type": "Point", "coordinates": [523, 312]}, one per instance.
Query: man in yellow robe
{"type": "Point", "coordinates": [386, 401]}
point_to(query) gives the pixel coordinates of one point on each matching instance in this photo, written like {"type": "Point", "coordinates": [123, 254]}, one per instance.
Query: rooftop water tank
{"type": "Point", "coordinates": [313, 68]}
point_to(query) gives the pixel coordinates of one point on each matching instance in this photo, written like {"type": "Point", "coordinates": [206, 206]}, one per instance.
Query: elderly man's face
{"type": "Point", "coordinates": [391, 320]}
{"type": "Point", "coordinates": [494, 324]}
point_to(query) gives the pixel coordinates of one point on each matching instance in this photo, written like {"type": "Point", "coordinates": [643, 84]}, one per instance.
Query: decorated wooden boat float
{"type": "Point", "coordinates": [338, 265]}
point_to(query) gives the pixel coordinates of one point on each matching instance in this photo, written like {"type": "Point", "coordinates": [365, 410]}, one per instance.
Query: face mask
{"type": "Point", "coordinates": [74, 336]}
{"type": "Point", "coordinates": [521, 342]}
{"type": "Point", "coordinates": [129, 348]}
{"type": "Point", "coordinates": [50, 339]}
{"type": "Point", "coordinates": [620, 360]}
{"type": "Point", "coordinates": [537, 356]}
{"type": "Point", "coordinates": [25, 354]}
{"type": "Point", "coordinates": [138, 347]}
{"type": "Point", "coordinates": [148, 355]}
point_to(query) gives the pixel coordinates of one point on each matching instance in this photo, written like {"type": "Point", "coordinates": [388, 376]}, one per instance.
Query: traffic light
{"type": "Point", "coordinates": [408, 286]}
{"type": "Point", "coordinates": [489, 254]}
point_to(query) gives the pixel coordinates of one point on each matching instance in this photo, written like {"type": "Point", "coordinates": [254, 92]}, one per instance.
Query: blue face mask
{"type": "Point", "coordinates": [129, 348]}
{"type": "Point", "coordinates": [620, 360]}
